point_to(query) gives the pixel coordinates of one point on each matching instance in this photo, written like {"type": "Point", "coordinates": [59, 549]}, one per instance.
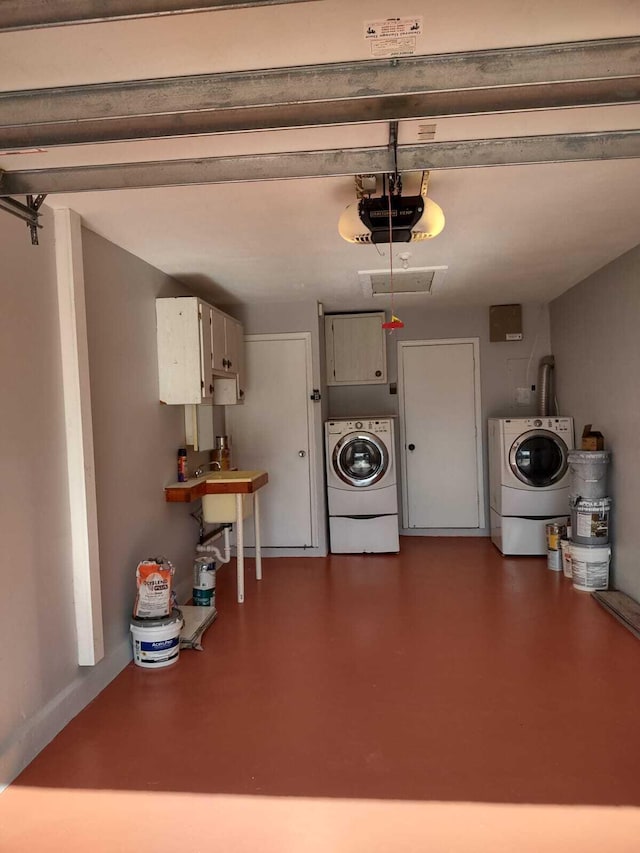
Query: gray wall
{"type": "Point", "coordinates": [135, 440]}
{"type": "Point", "coordinates": [503, 368]}
{"type": "Point", "coordinates": [596, 343]}
{"type": "Point", "coordinates": [37, 629]}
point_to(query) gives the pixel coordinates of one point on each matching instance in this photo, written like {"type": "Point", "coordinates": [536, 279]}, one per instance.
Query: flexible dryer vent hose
{"type": "Point", "coordinates": [544, 386]}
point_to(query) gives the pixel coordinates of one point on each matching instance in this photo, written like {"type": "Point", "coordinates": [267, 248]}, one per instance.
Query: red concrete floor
{"type": "Point", "coordinates": [445, 675]}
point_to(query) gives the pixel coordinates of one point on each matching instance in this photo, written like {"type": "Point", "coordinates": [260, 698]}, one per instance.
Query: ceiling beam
{"type": "Point", "coordinates": [559, 148]}
{"type": "Point", "coordinates": [35, 14]}
{"type": "Point", "coordinates": [590, 73]}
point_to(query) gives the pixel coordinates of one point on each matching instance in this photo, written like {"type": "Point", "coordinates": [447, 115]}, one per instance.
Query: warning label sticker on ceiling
{"type": "Point", "coordinates": [393, 36]}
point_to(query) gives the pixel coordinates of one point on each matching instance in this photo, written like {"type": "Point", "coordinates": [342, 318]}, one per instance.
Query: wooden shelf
{"type": "Point", "coordinates": [216, 483]}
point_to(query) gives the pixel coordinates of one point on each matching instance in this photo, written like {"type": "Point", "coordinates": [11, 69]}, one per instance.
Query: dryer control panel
{"type": "Point", "coordinates": [563, 426]}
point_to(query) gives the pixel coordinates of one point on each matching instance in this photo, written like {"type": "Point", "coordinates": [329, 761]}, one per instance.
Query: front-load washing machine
{"type": "Point", "coordinates": [528, 480]}
{"type": "Point", "coordinates": [362, 492]}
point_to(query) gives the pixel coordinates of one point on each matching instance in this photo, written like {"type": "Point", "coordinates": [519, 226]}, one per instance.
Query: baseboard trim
{"type": "Point", "coordinates": [40, 729]}
{"type": "Point", "coordinates": [284, 552]}
{"type": "Point", "coordinates": [445, 531]}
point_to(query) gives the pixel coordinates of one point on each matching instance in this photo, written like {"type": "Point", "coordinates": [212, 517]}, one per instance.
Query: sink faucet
{"type": "Point", "coordinates": [200, 470]}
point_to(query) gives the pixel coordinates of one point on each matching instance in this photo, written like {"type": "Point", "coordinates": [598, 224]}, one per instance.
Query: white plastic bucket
{"type": "Point", "coordinates": [590, 521]}
{"type": "Point", "coordinates": [588, 473]}
{"type": "Point", "coordinates": [565, 550]}
{"type": "Point", "coordinates": [590, 566]}
{"type": "Point", "coordinates": [156, 642]}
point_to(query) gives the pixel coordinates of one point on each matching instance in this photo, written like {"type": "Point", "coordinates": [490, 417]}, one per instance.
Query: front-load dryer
{"type": "Point", "coordinates": [362, 492]}
{"type": "Point", "coordinates": [528, 465]}
{"type": "Point", "coordinates": [528, 479]}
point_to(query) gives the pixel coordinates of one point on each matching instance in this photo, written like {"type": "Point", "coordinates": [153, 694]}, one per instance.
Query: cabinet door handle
{"type": "Point", "coordinates": [378, 373]}
{"type": "Point", "coordinates": [411, 447]}
{"type": "Point", "coordinates": [211, 388]}
{"type": "Point", "coordinates": [229, 363]}
{"type": "Point", "coordinates": [302, 453]}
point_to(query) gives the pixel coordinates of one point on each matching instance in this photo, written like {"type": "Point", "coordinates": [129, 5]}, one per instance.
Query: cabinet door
{"type": "Point", "coordinates": [229, 389]}
{"type": "Point", "coordinates": [233, 332]}
{"type": "Point", "coordinates": [240, 363]}
{"type": "Point", "coordinates": [356, 349]}
{"type": "Point", "coordinates": [218, 333]}
{"type": "Point", "coordinates": [198, 427]}
{"type": "Point", "coordinates": [184, 350]}
{"type": "Point", "coordinates": [206, 354]}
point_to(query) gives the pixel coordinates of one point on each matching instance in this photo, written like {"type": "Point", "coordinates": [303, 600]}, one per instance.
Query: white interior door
{"type": "Point", "coordinates": [272, 431]}
{"type": "Point", "coordinates": [440, 429]}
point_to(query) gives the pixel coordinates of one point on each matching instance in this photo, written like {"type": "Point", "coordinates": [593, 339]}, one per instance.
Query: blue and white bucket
{"type": "Point", "coordinates": [156, 642]}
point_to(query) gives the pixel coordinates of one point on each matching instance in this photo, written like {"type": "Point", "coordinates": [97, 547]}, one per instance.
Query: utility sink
{"type": "Point", "coordinates": [221, 509]}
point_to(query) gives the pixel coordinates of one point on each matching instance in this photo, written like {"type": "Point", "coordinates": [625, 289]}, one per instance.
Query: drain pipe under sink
{"type": "Point", "coordinates": [208, 548]}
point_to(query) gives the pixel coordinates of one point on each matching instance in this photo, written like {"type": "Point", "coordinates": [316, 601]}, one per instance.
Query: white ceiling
{"type": "Point", "coordinates": [513, 234]}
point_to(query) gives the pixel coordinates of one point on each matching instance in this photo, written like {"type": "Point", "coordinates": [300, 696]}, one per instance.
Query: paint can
{"type": "Point", "coordinates": [590, 566]}
{"type": "Point", "coordinates": [156, 642]}
{"type": "Point", "coordinates": [565, 551]}
{"type": "Point", "coordinates": [204, 582]}
{"type": "Point", "coordinates": [588, 473]}
{"type": "Point", "coordinates": [554, 531]}
{"type": "Point", "coordinates": [554, 560]}
{"type": "Point", "coordinates": [590, 521]}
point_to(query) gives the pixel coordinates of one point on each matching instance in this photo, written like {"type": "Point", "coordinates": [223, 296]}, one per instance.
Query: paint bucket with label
{"type": "Point", "coordinates": [590, 521]}
{"type": "Point", "coordinates": [588, 473]}
{"type": "Point", "coordinates": [156, 642]}
{"type": "Point", "coordinates": [204, 582]}
{"type": "Point", "coordinates": [590, 566]}
{"type": "Point", "coordinates": [565, 551]}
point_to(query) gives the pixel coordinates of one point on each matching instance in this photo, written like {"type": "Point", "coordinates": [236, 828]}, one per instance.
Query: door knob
{"type": "Point", "coordinates": [411, 446]}
{"type": "Point", "coordinates": [301, 453]}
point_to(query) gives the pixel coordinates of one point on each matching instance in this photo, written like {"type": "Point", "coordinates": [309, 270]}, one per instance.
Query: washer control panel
{"type": "Point", "coordinates": [377, 426]}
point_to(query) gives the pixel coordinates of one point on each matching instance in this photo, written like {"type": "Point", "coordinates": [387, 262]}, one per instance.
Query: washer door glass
{"type": "Point", "coordinates": [360, 459]}
{"type": "Point", "coordinates": [539, 458]}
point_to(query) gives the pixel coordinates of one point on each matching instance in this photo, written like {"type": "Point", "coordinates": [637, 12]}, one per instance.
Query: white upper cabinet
{"type": "Point", "coordinates": [184, 350]}
{"type": "Point", "coordinates": [228, 359]}
{"type": "Point", "coordinates": [227, 341]}
{"type": "Point", "coordinates": [199, 352]}
{"type": "Point", "coordinates": [356, 349]}
{"type": "Point", "coordinates": [218, 323]}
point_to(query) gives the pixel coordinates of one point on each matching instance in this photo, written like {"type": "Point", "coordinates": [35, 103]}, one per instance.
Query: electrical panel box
{"type": "Point", "coordinates": [505, 323]}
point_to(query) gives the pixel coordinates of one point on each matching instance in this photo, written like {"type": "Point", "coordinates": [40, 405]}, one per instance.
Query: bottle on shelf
{"type": "Point", "coordinates": [222, 452]}
{"type": "Point", "coordinates": [183, 474]}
